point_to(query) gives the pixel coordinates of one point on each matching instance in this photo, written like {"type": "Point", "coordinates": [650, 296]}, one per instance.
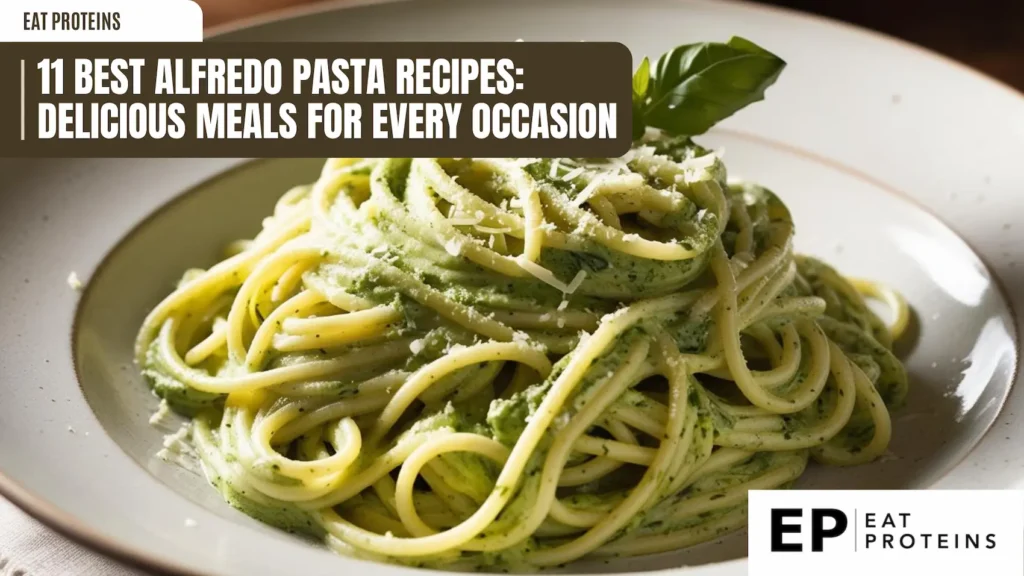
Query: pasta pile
{"type": "Point", "coordinates": [516, 363]}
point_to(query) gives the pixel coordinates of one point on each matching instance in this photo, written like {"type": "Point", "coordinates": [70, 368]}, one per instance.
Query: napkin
{"type": "Point", "coordinates": [27, 548]}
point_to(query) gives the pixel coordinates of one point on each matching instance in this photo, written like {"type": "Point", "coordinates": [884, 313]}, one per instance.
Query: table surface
{"type": "Point", "coordinates": [985, 34]}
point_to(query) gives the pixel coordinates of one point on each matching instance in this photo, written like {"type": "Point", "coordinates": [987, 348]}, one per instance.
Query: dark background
{"type": "Point", "coordinates": [985, 34]}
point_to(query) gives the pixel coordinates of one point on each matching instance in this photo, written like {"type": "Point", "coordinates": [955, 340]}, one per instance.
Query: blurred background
{"type": "Point", "coordinates": [985, 34]}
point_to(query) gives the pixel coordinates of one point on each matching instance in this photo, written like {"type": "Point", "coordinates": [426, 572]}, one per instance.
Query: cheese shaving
{"type": "Point", "coordinates": [576, 282]}
{"type": "Point", "coordinates": [554, 168]}
{"type": "Point", "coordinates": [541, 273]}
{"type": "Point", "coordinates": [463, 219]}
{"type": "Point", "coordinates": [489, 230]}
{"type": "Point", "coordinates": [162, 413]}
{"type": "Point", "coordinates": [416, 346]}
{"type": "Point", "coordinates": [700, 162]}
{"type": "Point", "coordinates": [453, 247]}
{"type": "Point", "coordinates": [588, 191]}
{"type": "Point", "coordinates": [572, 174]}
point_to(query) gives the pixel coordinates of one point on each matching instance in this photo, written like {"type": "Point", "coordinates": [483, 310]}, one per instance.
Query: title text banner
{"type": "Point", "coordinates": [510, 99]}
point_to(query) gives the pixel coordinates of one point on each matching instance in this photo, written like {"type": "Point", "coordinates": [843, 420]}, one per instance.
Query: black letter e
{"type": "Point", "coordinates": [779, 528]}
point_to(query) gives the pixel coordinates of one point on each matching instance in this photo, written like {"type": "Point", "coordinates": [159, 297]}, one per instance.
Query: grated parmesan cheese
{"type": "Point", "coordinates": [176, 441]}
{"type": "Point", "coordinates": [74, 282]}
{"type": "Point", "coordinates": [576, 282]}
{"type": "Point", "coordinates": [541, 273]}
{"type": "Point", "coordinates": [572, 174]}
{"type": "Point", "coordinates": [563, 305]}
{"type": "Point", "coordinates": [588, 191]}
{"type": "Point", "coordinates": [544, 275]}
{"type": "Point", "coordinates": [554, 168]}
{"type": "Point", "coordinates": [453, 247]}
{"type": "Point", "coordinates": [700, 162]}
{"type": "Point", "coordinates": [489, 230]}
{"type": "Point", "coordinates": [162, 412]}
{"type": "Point", "coordinates": [416, 346]}
{"type": "Point", "coordinates": [562, 420]}
{"type": "Point", "coordinates": [463, 219]}
{"type": "Point", "coordinates": [178, 451]}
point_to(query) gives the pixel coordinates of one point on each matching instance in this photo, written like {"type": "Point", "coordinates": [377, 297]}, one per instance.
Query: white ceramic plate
{"type": "Point", "coordinates": [898, 165]}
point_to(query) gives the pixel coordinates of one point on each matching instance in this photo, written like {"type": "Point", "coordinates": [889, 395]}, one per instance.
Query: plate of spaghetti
{"type": "Point", "coordinates": [525, 364]}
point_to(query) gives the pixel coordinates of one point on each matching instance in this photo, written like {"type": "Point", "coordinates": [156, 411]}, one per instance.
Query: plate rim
{"type": "Point", "coordinates": [53, 517]}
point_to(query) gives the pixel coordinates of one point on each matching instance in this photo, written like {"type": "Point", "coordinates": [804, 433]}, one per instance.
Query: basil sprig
{"type": "Point", "coordinates": [695, 86]}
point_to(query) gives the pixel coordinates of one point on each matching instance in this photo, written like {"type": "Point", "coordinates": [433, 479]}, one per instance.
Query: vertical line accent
{"type": "Point", "coordinates": [22, 100]}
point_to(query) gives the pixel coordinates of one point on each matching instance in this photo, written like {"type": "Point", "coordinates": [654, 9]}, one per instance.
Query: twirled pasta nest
{"type": "Point", "coordinates": [495, 363]}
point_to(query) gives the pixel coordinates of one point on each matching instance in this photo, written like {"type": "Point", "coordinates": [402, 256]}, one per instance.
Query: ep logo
{"type": "Point", "coordinates": [845, 532]}
{"type": "Point", "coordinates": [822, 523]}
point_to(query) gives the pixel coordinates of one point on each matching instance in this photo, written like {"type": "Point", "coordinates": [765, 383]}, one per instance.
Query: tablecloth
{"type": "Point", "coordinates": [27, 548]}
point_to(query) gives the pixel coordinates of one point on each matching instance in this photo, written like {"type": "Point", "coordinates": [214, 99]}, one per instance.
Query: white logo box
{"type": "Point", "coordinates": [137, 21]}
{"type": "Point", "coordinates": [905, 532]}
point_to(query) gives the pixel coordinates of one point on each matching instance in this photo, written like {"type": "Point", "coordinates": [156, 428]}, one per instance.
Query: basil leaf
{"type": "Point", "coordinates": [696, 86]}
{"type": "Point", "coordinates": [638, 122]}
{"type": "Point", "coordinates": [743, 44]}
{"type": "Point", "coordinates": [641, 81]}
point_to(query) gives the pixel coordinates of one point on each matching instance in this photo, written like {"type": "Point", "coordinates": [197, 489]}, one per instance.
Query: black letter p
{"type": "Point", "coordinates": [818, 531]}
